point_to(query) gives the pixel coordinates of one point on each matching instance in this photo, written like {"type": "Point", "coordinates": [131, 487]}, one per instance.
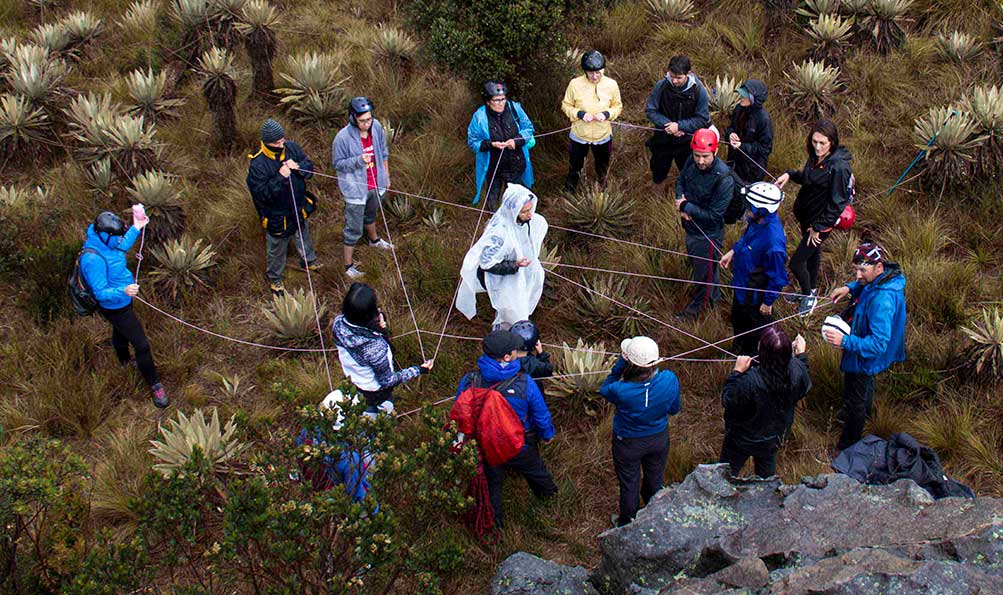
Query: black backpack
{"type": "Point", "coordinates": [81, 297]}
{"type": "Point", "coordinates": [736, 208]}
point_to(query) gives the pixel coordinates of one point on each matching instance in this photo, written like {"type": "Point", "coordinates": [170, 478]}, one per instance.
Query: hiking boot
{"type": "Point", "coordinates": [808, 303]}
{"type": "Point", "coordinates": [381, 244]}
{"type": "Point", "coordinates": [313, 266]}
{"type": "Point", "coordinates": [160, 396]}
{"type": "Point", "coordinates": [353, 272]}
{"type": "Point", "coordinates": [277, 288]}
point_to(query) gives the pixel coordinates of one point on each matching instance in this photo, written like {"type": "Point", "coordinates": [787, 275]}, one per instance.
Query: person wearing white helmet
{"type": "Point", "coordinates": [760, 261]}
{"type": "Point", "coordinates": [644, 398]}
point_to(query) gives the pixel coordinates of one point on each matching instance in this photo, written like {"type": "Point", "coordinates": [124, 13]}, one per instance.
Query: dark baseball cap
{"type": "Point", "coordinates": [498, 344]}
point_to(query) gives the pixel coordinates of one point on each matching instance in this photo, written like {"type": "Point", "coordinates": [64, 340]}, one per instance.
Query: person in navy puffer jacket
{"type": "Point", "coordinates": [644, 398]}
{"type": "Point", "coordinates": [107, 275]}
{"type": "Point", "coordinates": [877, 333]}
{"type": "Point", "coordinates": [500, 362]}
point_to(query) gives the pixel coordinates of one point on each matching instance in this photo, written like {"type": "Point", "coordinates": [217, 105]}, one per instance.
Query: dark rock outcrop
{"type": "Point", "coordinates": [525, 574]}
{"type": "Point", "coordinates": [831, 534]}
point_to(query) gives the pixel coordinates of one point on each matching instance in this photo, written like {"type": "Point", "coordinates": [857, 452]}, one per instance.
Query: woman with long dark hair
{"type": "Point", "coordinates": [826, 188]}
{"type": "Point", "coordinates": [759, 401]}
{"type": "Point", "coordinates": [367, 358]}
{"type": "Point", "coordinates": [644, 398]}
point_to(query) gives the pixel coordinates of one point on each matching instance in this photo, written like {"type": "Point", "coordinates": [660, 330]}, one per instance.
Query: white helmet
{"type": "Point", "coordinates": [836, 323]}
{"type": "Point", "coordinates": [763, 195]}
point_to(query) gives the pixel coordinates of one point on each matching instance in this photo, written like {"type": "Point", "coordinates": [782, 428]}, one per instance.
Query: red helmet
{"type": "Point", "coordinates": [847, 218]}
{"type": "Point", "coordinates": [704, 141]}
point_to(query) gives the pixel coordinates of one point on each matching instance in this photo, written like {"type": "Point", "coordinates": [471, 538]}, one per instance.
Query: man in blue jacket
{"type": "Point", "coordinates": [107, 275]}
{"type": "Point", "coordinates": [277, 176]}
{"type": "Point", "coordinates": [703, 191]}
{"type": "Point", "coordinates": [760, 258]}
{"type": "Point", "coordinates": [877, 333]}
{"type": "Point", "coordinates": [500, 363]}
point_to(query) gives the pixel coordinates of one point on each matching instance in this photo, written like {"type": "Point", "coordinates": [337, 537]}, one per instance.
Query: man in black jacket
{"type": "Point", "coordinates": [679, 106]}
{"type": "Point", "coordinates": [276, 178]}
{"type": "Point", "coordinates": [703, 192]}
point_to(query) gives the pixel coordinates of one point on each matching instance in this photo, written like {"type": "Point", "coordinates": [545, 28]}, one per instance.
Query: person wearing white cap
{"type": "Point", "coordinates": [349, 468]}
{"type": "Point", "coordinates": [644, 398]}
{"type": "Point", "coordinates": [760, 259]}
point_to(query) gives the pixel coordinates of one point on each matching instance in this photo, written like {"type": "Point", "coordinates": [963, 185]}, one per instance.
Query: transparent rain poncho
{"type": "Point", "coordinates": [514, 297]}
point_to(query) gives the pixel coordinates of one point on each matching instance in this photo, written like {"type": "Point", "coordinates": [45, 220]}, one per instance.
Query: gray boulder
{"type": "Point", "coordinates": [525, 574]}
{"type": "Point", "coordinates": [831, 535]}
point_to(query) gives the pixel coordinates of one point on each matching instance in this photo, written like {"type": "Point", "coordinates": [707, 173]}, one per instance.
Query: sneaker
{"type": "Point", "coordinates": [353, 272]}
{"type": "Point", "coordinates": [792, 298]}
{"type": "Point", "coordinates": [808, 303]}
{"type": "Point", "coordinates": [277, 288]}
{"type": "Point", "coordinates": [381, 244]}
{"type": "Point", "coordinates": [160, 396]}
{"type": "Point", "coordinates": [614, 519]}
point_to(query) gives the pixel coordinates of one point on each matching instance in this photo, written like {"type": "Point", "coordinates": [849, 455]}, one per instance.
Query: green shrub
{"type": "Point", "coordinates": [44, 285]}
{"type": "Point", "coordinates": [482, 40]}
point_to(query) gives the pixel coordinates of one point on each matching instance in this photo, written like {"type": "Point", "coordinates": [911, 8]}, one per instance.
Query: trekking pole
{"type": "Point", "coordinates": [922, 151]}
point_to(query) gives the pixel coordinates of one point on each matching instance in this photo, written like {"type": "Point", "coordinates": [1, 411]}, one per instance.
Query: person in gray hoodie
{"type": "Point", "coordinates": [360, 156]}
{"type": "Point", "coordinates": [678, 105]}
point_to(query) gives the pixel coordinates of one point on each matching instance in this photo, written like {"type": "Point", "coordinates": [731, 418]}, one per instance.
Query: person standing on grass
{"type": "Point", "coordinates": [362, 336]}
{"type": "Point", "coordinates": [591, 101]}
{"type": "Point", "coordinates": [877, 333]}
{"type": "Point", "coordinates": [760, 259]}
{"type": "Point", "coordinates": [679, 106]}
{"type": "Point", "coordinates": [107, 275]}
{"type": "Point", "coordinates": [827, 185]}
{"type": "Point", "coordinates": [750, 141]}
{"type": "Point", "coordinates": [759, 401]}
{"type": "Point", "coordinates": [276, 177]}
{"type": "Point", "coordinates": [505, 261]}
{"type": "Point", "coordinates": [703, 191]}
{"type": "Point", "coordinates": [644, 398]}
{"type": "Point", "coordinates": [500, 366]}
{"type": "Point", "coordinates": [360, 155]}
{"type": "Point", "coordinates": [500, 134]}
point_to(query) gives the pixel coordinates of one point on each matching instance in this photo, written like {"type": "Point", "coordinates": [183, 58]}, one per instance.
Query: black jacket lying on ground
{"type": "Point", "coordinates": [753, 415]}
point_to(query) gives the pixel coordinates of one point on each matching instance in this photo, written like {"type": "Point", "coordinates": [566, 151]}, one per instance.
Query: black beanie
{"type": "Point", "coordinates": [271, 131]}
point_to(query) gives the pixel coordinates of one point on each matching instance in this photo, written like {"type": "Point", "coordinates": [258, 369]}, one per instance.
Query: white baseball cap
{"type": "Point", "coordinates": [640, 351]}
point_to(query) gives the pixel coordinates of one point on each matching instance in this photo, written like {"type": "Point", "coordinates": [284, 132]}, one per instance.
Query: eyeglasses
{"type": "Point", "coordinates": [364, 120]}
{"type": "Point", "coordinates": [497, 100]}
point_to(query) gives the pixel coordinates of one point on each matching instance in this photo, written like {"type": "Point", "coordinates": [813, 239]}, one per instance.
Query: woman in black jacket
{"type": "Point", "coordinates": [759, 402]}
{"type": "Point", "coordinates": [826, 187]}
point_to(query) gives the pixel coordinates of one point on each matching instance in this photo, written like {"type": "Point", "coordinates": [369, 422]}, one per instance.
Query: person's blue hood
{"type": "Point", "coordinates": [891, 280]}
{"type": "Point", "coordinates": [492, 370]}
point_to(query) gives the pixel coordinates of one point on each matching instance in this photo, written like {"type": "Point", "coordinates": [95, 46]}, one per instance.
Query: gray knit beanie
{"type": "Point", "coordinates": [271, 131]}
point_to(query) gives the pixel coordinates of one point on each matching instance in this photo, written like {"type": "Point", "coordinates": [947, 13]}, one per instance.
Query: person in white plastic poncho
{"type": "Point", "coordinates": [505, 261]}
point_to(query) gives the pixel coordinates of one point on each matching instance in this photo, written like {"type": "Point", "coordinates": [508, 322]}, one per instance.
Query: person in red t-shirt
{"type": "Point", "coordinates": [360, 155]}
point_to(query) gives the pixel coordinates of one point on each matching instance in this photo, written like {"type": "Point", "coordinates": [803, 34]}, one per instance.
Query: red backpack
{"type": "Point", "coordinates": [484, 414]}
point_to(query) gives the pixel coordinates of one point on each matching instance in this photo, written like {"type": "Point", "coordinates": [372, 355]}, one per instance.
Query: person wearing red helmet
{"type": "Point", "coordinates": [827, 186]}
{"type": "Point", "coordinates": [703, 191]}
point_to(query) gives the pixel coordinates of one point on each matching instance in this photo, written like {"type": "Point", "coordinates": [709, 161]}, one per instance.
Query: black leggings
{"type": "Point", "coordinates": [577, 153]}
{"type": "Point", "coordinates": [127, 330]}
{"type": "Point", "coordinates": [806, 260]}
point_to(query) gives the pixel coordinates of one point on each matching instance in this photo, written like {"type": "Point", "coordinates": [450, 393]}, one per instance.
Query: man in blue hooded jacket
{"type": "Point", "coordinates": [500, 363]}
{"type": "Point", "coordinates": [877, 333]}
{"type": "Point", "coordinates": [107, 275]}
